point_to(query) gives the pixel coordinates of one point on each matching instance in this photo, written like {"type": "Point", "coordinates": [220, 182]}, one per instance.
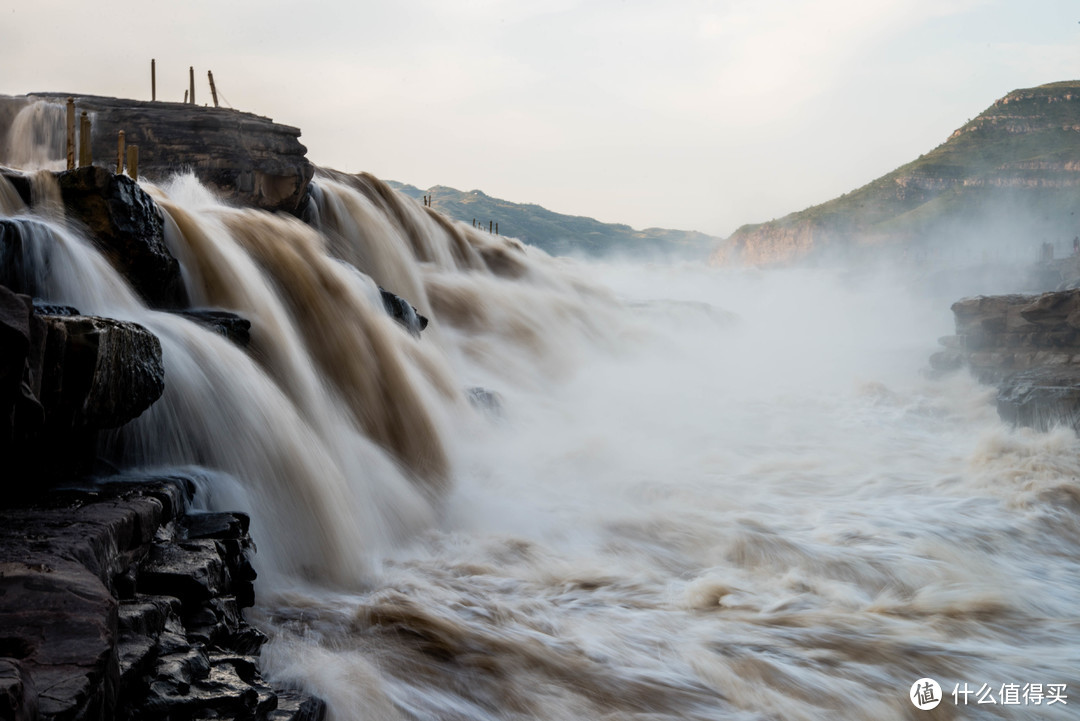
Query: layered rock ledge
{"type": "Point", "coordinates": [119, 602]}
{"type": "Point", "coordinates": [1027, 345]}
{"type": "Point", "coordinates": [247, 158]}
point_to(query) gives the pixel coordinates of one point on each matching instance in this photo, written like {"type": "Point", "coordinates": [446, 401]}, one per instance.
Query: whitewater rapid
{"type": "Point", "coordinates": [701, 493]}
{"type": "Point", "coordinates": [770, 514]}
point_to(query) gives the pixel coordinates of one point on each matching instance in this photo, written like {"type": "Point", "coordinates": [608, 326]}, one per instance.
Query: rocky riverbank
{"type": "Point", "coordinates": [119, 602]}
{"type": "Point", "coordinates": [1027, 345]}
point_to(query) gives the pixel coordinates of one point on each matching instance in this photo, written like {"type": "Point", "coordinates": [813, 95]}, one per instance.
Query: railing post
{"type": "Point", "coordinates": [71, 133]}
{"type": "Point", "coordinates": [153, 79]}
{"type": "Point", "coordinates": [213, 90]}
{"type": "Point", "coordinates": [120, 153]}
{"type": "Point", "coordinates": [86, 158]}
{"type": "Point", "coordinates": [133, 161]}
{"type": "Point", "coordinates": [191, 83]}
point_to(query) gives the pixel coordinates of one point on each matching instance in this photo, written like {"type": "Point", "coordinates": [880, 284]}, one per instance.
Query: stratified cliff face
{"type": "Point", "coordinates": [1011, 175]}
{"type": "Point", "coordinates": [248, 159]}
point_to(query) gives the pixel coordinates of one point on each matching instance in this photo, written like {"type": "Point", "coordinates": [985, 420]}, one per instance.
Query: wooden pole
{"type": "Point", "coordinates": [120, 153]}
{"type": "Point", "coordinates": [213, 90]}
{"type": "Point", "coordinates": [185, 97]}
{"type": "Point", "coordinates": [496, 229]}
{"type": "Point", "coordinates": [133, 161]}
{"type": "Point", "coordinates": [489, 226]}
{"type": "Point", "coordinates": [191, 83]}
{"type": "Point", "coordinates": [153, 79]}
{"type": "Point", "coordinates": [71, 133]}
{"type": "Point", "coordinates": [86, 158]}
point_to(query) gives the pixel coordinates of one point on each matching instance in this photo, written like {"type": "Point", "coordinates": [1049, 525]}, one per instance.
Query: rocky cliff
{"type": "Point", "coordinates": [1008, 178]}
{"type": "Point", "coordinates": [246, 158]}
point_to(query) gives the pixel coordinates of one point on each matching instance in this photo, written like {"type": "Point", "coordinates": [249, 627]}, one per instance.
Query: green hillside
{"type": "Point", "coordinates": [560, 234]}
{"type": "Point", "coordinates": [1009, 177]}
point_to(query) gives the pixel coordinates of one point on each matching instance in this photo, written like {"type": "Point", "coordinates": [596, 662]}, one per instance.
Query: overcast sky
{"type": "Point", "coordinates": [698, 114]}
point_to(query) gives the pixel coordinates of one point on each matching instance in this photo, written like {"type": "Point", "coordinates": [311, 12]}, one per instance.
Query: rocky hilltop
{"type": "Point", "coordinates": [1008, 178]}
{"type": "Point", "coordinates": [557, 233]}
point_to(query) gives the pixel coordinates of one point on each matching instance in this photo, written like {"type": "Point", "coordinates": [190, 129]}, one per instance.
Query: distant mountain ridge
{"type": "Point", "coordinates": [1011, 176]}
{"type": "Point", "coordinates": [556, 233]}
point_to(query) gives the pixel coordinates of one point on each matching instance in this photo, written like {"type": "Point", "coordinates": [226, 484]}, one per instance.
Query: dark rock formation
{"type": "Point", "coordinates": [1029, 346]}
{"type": "Point", "coordinates": [105, 614]}
{"type": "Point", "coordinates": [62, 379]}
{"type": "Point", "coordinates": [403, 312]}
{"type": "Point", "coordinates": [222, 322]}
{"type": "Point", "coordinates": [127, 226]}
{"type": "Point", "coordinates": [248, 159]}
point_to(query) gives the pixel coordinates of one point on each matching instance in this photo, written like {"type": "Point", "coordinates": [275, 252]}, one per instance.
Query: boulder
{"type": "Point", "coordinates": [110, 371]}
{"type": "Point", "coordinates": [403, 312]}
{"type": "Point", "coordinates": [222, 322]}
{"type": "Point", "coordinates": [128, 228]}
{"type": "Point", "coordinates": [63, 378]}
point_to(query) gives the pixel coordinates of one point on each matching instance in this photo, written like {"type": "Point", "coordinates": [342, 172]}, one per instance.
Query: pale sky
{"type": "Point", "coordinates": [698, 115]}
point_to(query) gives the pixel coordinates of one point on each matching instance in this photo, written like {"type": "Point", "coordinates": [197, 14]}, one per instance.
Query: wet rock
{"type": "Point", "coordinates": [81, 374]}
{"type": "Point", "coordinates": [222, 322]}
{"type": "Point", "coordinates": [1042, 397]}
{"type": "Point", "coordinates": [216, 525]}
{"type": "Point", "coordinates": [192, 571]}
{"type": "Point", "coordinates": [403, 312]}
{"type": "Point", "coordinates": [110, 371]}
{"type": "Point", "coordinates": [293, 706]}
{"type": "Point", "coordinates": [127, 226]}
{"type": "Point", "coordinates": [18, 696]}
{"type": "Point", "coordinates": [60, 618]}
{"type": "Point", "coordinates": [221, 692]}
{"type": "Point", "coordinates": [43, 308]}
{"type": "Point", "coordinates": [68, 645]}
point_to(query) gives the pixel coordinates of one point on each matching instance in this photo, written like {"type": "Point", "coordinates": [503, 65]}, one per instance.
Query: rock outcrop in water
{"type": "Point", "coordinates": [1007, 179]}
{"type": "Point", "coordinates": [1029, 346]}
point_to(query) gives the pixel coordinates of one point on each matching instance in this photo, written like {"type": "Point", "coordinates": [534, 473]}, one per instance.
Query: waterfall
{"type": "Point", "coordinates": [700, 493]}
{"type": "Point", "coordinates": [37, 137]}
{"type": "Point", "coordinates": [335, 417]}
